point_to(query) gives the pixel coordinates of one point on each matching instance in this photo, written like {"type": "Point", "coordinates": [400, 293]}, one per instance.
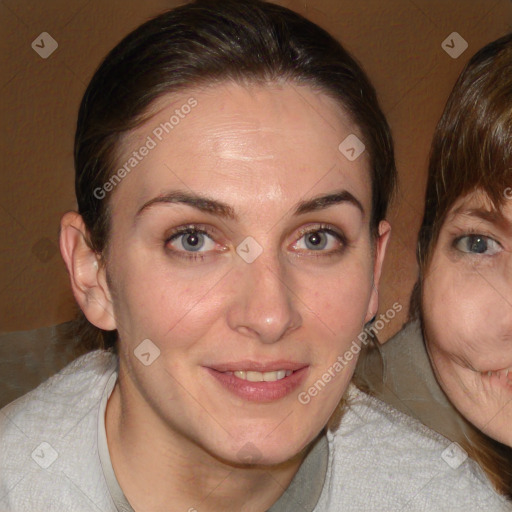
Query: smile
{"type": "Point", "coordinates": [501, 378]}
{"type": "Point", "coordinates": [268, 383]}
{"type": "Point", "coordinates": [252, 376]}
{"type": "Point", "coordinates": [499, 373]}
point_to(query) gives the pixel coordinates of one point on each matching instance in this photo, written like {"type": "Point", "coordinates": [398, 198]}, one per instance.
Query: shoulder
{"type": "Point", "coordinates": [380, 364]}
{"type": "Point", "coordinates": [381, 457]}
{"type": "Point", "coordinates": [48, 437]}
{"type": "Point", "coordinates": [409, 339]}
{"type": "Point", "coordinates": [66, 393]}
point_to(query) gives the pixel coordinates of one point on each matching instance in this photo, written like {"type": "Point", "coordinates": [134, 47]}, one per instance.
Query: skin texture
{"type": "Point", "coordinates": [171, 427]}
{"type": "Point", "coordinates": [467, 312]}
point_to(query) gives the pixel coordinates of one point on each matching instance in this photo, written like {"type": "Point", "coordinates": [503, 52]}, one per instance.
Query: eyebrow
{"type": "Point", "coordinates": [223, 210]}
{"type": "Point", "coordinates": [491, 216]}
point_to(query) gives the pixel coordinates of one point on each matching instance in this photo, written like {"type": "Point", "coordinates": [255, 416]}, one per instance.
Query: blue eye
{"type": "Point", "coordinates": [321, 239]}
{"type": "Point", "coordinates": [191, 239]}
{"type": "Point", "coordinates": [477, 244]}
{"type": "Point", "coordinates": [195, 243]}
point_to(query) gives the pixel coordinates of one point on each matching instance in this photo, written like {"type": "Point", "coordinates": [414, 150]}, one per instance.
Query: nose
{"type": "Point", "coordinates": [264, 304]}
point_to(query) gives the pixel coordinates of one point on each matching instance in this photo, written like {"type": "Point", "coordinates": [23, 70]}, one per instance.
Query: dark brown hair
{"type": "Point", "coordinates": [472, 151]}
{"type": "Point", "coordinates": [203, 43]}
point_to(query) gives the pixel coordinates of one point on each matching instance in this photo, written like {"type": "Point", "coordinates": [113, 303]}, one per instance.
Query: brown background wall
{"type": "Point", "coordinates": [397, 41]}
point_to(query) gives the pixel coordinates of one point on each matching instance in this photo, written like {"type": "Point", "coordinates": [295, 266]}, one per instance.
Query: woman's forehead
{"type": "Point", "coordinates": [296, 112]}
{"type": "Point", "coordinates": [259, 141]}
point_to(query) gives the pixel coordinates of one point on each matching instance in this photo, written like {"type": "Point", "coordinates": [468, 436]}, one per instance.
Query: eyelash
{"type": "Point", "coordinates": [185, 230]}
{"type": "Point", "coordinates": [330, 230]}
{"type": "Point", "coordinates": [200, 229]}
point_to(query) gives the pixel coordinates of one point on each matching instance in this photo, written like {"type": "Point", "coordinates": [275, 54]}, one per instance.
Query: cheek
{"type": "Point", "coordinates": [340, 300]}
{"type": "Point", "coordinates": [458, 312]}
{"type": "Point", "coordinates": [159, 303]}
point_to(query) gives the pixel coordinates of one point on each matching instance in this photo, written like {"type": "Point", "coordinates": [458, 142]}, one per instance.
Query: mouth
{"type": "Point", "coordinates": [258, 382]}
{"type": "Point", "coordinates": [501, 377]}
{"type": "Point", "coordinates": [260, 376]}
{"type": "Point", "coordinates": [500, 373]}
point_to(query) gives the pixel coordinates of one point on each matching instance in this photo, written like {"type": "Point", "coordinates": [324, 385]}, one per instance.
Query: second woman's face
{"type": "Point", "coordinates": [241, 267]}
{"type": "Point", "coordinates": [467, 312]}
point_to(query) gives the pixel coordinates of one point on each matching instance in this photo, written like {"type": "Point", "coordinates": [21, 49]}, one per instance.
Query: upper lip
{"type": "Point", "coordinates": [257, 366]}
{"type": "Point", "coordinates": [496, 370]}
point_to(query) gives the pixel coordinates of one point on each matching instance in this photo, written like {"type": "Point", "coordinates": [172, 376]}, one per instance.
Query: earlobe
{"type": "Point", "coordinates": [87, 276]}
{"type": "Point", "coordinates": [380, 251]}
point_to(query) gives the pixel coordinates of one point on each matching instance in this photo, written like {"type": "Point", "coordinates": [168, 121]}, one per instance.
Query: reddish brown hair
{"type": "Point", "coordinates": [472, 151]}
{"type": "Point", "coordinates": [472, 145]}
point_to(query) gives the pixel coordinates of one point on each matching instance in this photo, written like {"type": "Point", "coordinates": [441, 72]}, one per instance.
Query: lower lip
{"type": "Point", "coordinates": [260, 391]}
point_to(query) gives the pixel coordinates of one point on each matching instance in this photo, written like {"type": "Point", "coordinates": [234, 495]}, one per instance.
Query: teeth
{"type": "Point", "coordinates": [262, 377]}
{"type": "Point", "coordinates": [498, 373]}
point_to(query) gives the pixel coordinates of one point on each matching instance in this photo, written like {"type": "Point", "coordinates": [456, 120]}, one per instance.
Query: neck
{"type": "Point", "coordinates": [166, 467]}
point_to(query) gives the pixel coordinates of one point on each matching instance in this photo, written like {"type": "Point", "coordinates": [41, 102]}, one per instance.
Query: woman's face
{"type": "Point", "coordinates": [256, 262]}
{"type": "Point", "coordinates": [467, 312]}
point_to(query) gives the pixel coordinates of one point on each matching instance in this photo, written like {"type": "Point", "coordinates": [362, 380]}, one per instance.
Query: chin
{"type": "Point", "coordinates": [489, 407]}
{"type": "Point", "coordinates": [263, 451]}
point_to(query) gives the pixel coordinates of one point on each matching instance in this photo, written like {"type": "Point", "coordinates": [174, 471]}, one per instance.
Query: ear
{"type": "Point", "coordinates": [380, 250]}
{"type": "Point", "coordinates": [87, 273]}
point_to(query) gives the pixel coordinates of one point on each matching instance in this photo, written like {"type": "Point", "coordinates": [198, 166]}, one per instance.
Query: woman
{"type": "Point", "coordinates": [462, 298]}
{"type": "Point", "coordinates": [233, 170]}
